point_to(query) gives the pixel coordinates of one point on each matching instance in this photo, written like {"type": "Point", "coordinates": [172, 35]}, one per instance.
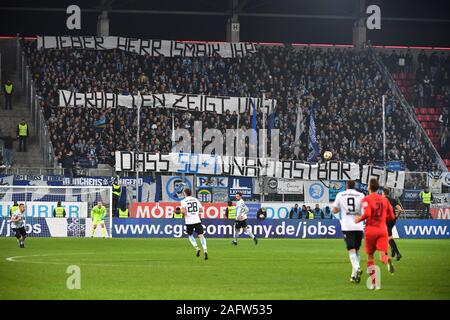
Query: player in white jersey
{"type": "Point", "coordinates": [18, 225]}
{"type": "Point", "coordinates": [190, 209]}
{"type": "Point", "coordinates": [241, 220]}
{"type": "Point", "coordinates": [349, 203]}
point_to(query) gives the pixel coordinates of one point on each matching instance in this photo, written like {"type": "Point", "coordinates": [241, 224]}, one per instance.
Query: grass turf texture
{"type": "Point", "coordinates": [168, 269]}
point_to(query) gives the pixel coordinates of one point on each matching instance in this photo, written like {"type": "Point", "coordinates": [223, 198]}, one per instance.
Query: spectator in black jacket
{"type": "Point", "coordinates": [303, 213]}
{"type": "Point", "coordinates": [261, 214]}
{"type": "Point", "coordinates": [67, 163]}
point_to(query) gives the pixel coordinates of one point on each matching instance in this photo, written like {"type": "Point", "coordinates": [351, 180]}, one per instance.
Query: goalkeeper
{"type": "Point", "coordinates": [98, 214]}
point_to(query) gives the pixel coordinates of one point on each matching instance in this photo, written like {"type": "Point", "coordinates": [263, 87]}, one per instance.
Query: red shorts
{"type": "Point", "coordinates": [376, 241]}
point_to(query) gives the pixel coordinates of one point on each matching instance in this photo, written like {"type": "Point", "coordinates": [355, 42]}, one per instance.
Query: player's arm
{"type": "Point", "coordinates": [183, 209]}
{"type": "Point", "coordinates": [389, 211]}
{"type": "Point", "coordinates": [336, 204]}
{"type": "Point", "coordinates": [399, 210]}
{"type": "Point", "coordinates": [200, 207]}
{"type": "Point", "coordinates": [16, 218]}
{"type": "Point", "coordinates": [64, 213]}
{"type": "Point", "coordinates": [365, 212]}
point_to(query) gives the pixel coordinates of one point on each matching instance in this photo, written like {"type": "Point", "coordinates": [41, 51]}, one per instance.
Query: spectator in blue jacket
{"type": "Point", "coordinates": [318, 213]}
{"type": "Point", "coordinates": [295, 212]}
{"type": "Point", "coordinates": [327, 213]}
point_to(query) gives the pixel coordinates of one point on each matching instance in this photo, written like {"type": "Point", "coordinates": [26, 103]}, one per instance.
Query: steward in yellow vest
{"type": "Point", "coordinates": [116, 189]}
{"type": "Point", "coordinates": [59, 211]}
{"type": "Point", "coordinates": [14, 208]}
{"type": "Point", "coordinates": [231, 211]}
{"type": "Point", "coordinates": [22, 133]}
{"type": "Point", "coordinates": [310, 213]}
{"type": "Point", "coordinates": [22, 129]}
{"type": "Point", "coordinates": [123, 212]}
{"type": "Point", "coordinates": [426, 198]}
{"type": "Point", "coordinates": [8, 89]}
{"type": "Point", "coordinates": [177, 213]}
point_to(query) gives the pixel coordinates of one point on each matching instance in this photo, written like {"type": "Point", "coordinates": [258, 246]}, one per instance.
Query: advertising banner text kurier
{"type": "Point", "coordinates": [44, 209]}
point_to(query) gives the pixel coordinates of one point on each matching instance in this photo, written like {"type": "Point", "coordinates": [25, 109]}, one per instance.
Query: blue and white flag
{"type": "Point", "coordinates": [313, 149]}
{"type": "Point", "coordinates": [299, 128]}
{"type": "Point", "coordinates": [271, 117]}
{"type": "Point", "coordinates": [254, 136]}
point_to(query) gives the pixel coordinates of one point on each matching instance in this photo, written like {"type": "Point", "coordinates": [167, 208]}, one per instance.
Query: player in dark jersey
{"type": "Point", "coordinates": [391, 223]}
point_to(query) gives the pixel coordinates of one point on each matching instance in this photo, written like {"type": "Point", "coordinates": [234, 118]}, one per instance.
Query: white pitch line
{"type": "Point", "coordinates": [13, 259]}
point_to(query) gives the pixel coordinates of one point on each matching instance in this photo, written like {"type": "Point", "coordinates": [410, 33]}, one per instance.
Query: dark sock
{"type": "Point", "coordinates": [394, 246]}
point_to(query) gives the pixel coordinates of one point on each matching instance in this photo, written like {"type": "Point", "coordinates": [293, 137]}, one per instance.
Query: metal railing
{"type": "Point", "coordinates": [37, 116]}
{"type": "Point", "coordinates": [409, 110]}
{"type": "Point", "coordinates": [78, 172]}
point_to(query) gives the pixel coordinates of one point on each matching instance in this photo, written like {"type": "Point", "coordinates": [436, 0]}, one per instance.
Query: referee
{"type": "Point", "coordinates": [391, 223]}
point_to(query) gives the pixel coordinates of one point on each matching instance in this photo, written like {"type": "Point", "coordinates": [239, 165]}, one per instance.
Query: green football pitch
{"type": "Point", "coordinates": [168, 269]}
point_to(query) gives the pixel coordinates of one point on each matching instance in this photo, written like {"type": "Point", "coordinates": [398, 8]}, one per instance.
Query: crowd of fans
{"type": "Point", "coordinates": [430, 76]}
{"type": "Point", "coordinates": [431, 73]}
{"type": "Point", "coordinates": [341, 86]}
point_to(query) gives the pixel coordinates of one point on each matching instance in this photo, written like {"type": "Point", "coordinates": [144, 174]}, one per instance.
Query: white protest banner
{"type": "Point", "coordinates": [188, 163]}
{"type": "Point", "coordinates": [187, 102]}
{"type": "Point", "coordinates": [154, 48]}
{"type": "Point", "coordinates": [445, 179]}
{"type": "Point", "coordinates": [441, 200]}
{"type": "Point", "coordinates": [386, 178]}
{"type": "Point", "coordinates": [290, 186]}
{"type": "Point", "coordinates": [395, 179]}
{"type": "Point", "coordinates": [435, 184]}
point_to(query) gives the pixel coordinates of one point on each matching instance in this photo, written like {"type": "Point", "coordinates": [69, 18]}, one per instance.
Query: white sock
{"type": "Point", "coordinates": [236, 234]}
{"type": "Point", "coordinates": [193, 242]}
{"type": "Point", "coordinates": [203, 242]}
{"type": "Point", "coordinates": [358, 260]}
{"type": "Point", "coordinates": [249, 233]}
{"type": "Point", "coordinates": [354, 260]}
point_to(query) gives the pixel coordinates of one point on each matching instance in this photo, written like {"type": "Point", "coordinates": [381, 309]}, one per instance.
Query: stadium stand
{"type": "Point", "coordinates": [424, 80]}
{"type": "Point", "coordinates": [339, 84]}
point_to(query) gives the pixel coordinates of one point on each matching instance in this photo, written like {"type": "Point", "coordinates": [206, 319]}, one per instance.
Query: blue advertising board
{"type": "Point", "coordinates": [410, 195]}
{"type": "Point", "coordinates": [271, 228]}
{"type": "Point", "coordinates": [395, 165]}
{"type": "Point", "coordinates": [221, 228]}
{"type": "Point", "coordinates": [423, 229]}
{"type": "Point", "coordinates": [241, 184]}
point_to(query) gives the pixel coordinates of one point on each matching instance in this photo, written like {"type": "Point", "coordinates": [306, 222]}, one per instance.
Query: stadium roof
{"type": "Point", "coordinates": [413, 23]}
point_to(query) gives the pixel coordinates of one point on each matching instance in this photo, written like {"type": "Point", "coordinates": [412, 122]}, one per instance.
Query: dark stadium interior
{"type": "Point", "coordinates": [416, 23]}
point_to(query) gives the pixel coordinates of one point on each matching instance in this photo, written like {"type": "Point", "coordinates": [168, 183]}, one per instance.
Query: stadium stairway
{"type": "Point", "coordinates": [427, 116]}
{"type": "Point", "coordinates": [8, 125]}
